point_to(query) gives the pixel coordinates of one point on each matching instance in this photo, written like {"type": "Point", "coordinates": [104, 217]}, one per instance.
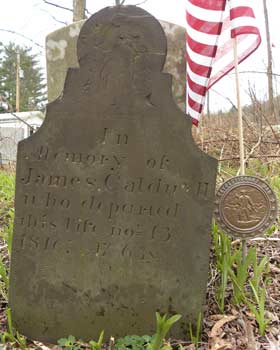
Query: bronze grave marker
{"type": "Point", "coordinates": [245, 206]}
{"type": "Point", "coordinates": [113, 199]}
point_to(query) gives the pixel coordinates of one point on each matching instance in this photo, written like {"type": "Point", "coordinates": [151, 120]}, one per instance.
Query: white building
{"type": "Point", "coordinates": [13, 128]}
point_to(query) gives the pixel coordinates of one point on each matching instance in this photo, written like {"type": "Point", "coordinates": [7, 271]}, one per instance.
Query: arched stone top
{"type": "Point", "coordinates": [126, 31]}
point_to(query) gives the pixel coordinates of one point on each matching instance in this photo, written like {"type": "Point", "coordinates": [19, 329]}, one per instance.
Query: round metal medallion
{"type": "Point", "coordinates": [245, 207]}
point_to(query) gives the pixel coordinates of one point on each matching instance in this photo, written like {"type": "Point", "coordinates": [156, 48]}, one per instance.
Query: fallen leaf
{"type": "Point", "coordinates": [215, 338]}
{"type": "Point", "coordinates": [218, 325]}
{"type": "Point", "coordinates": [216, 317]}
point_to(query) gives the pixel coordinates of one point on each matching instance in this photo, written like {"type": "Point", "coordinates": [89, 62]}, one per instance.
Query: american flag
{"type": "Point", "coordinates": [211, 27]}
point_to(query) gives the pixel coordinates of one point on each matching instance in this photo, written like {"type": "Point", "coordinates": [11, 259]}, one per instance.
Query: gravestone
{"type": "Point", "coordinates": [113, 199]}
{"type": "Point", "coordinates": [61, 54]}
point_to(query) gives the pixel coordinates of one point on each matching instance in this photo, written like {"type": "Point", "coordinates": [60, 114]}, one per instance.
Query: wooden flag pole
{"type": "Point", "coordinates": [240, 130]}
{"type": "Point", "coordinates": [239, 108]}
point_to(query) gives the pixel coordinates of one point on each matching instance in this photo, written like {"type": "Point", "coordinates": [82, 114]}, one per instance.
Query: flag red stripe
{"type": "Point", "coordinates": [194, 105]}
{"type": "Point", "coordinates": [198, 89]}
{"type": "Point", "coordinates": [202, 49]}
{"type": "Point", "coordinates": [206, 28]}
{"type": "Point", "coordinates": [241, 11]}
{"type": "Point", "coordinates": [216, 5]}
{"type": "Point", "coordinates": [198, 69]}
{"type": "Point", "coordinates": [244, 30]}
{"type": "Point", "coordinates": [194, 121]}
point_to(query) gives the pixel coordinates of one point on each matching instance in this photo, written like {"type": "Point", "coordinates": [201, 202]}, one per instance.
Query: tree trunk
{"type": "Point", "coordinates": [18, 83]}
{"type": "Point", "coordinates": [269, 66]}
{"type": "Point", "coordinates": [79, 7]}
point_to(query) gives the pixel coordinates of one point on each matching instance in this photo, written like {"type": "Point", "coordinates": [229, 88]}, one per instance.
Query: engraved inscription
{"type": "Point", "coordinates": [38, 243]}
{"type": "Point", "coordinates": [95, 207]}
{"type": "Point", "coordinates": [111, 136]}
{"type": "Point", "coordinates": [43, 222]}
{"type": "Point", "coordinates": [79, 225]}
{"type": "Point", "coordinates": [162, 163]}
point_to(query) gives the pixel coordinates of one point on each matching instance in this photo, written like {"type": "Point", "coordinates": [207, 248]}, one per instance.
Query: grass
{"type": "Point", "coordinates": [7, 185]}
{"type": "Point", "coordinates": [130, 342]}
{"type": "Point", "coordinates": [222, 252]}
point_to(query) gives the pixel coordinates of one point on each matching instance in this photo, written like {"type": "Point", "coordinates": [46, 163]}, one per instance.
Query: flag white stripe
{"type": "Point", "coordinates": [206, 39]}
{"type": "Point", "coordinates": [193, 95]}
{"type": "Point", "coordinates": [243, 21]}
{"type": "Point", "coordinates": [198, 79]}
{"type": "Point", "coordinates": [194, 114]}
{"type": "Point", "coordinates": [200, 59]}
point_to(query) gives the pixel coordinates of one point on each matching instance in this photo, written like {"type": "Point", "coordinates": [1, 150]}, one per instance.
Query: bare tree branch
{"type": "Point", "coordinates": [235, 108]}
{"type": "Point", "coordinates": [87, 11]}
{"type": "Point", "coordinates": [137, 4]}
{"type": "Point", "coordinates": [256, 72]}
{"type": "Point", "coordinates": [262, 114]}
{"type": "Point", "coordinates": [57, 20]}
{"type": "Point", "coordinates": [271, 128]}
{"type": "Point", "coordinates": [141, 2]}
{"type": "Point", "coordinates": [225, 140]}
{"type": "Point", "coordinates": [64, 8]}
{"type": "Point", "coordinates": [251, 153]}
{"type": "Point", "coordinates": [254, 157]}
{"type": "Point", "coordinates": [226, 98]}
{"type": "Point", "coordinates": [22, 35]}
{"type": "Point", "coordinates": [59, 6]}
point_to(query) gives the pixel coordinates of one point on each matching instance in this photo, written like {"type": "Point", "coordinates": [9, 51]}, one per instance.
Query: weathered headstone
{"type": "Point", "coordinates": [61, 54]}
{"type": "Point", "coordinates": [113, 198]}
